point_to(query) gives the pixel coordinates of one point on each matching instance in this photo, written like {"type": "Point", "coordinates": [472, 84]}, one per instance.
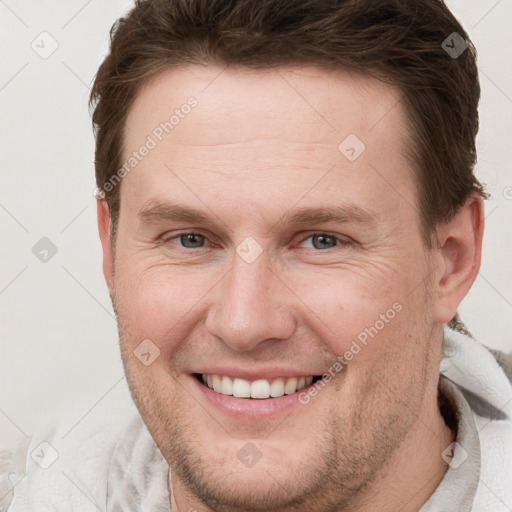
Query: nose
{"type": "Point", "coordinates": [251, 305]}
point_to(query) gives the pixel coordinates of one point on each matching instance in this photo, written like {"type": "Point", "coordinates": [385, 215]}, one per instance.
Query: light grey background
{"type": "Point", "coordinates": [59, 353]}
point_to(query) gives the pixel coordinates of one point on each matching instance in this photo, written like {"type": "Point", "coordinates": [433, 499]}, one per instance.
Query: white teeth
{"type": "Point", "coordinates": [277, 388]}
{"type": "Point", "coordinates": [261, 388]}
{"type": "Point", "coordinates": [290, 386]}
{"type": "Point", "coordinates": [216, 383]}
{"type": "Point", "coordinates": [241, 388]}
{"type": "Point", "coordinates": [226, 387]}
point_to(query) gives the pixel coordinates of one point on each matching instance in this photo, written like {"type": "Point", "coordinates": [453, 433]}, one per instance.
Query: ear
{"type": "Point", "coordinates": [104, 227]}
{"type": "Point", "coordinates": [459, 253]}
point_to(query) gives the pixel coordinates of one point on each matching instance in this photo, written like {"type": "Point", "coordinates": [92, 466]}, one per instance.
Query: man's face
{"type": "Point", "coordinates": [259, 293]}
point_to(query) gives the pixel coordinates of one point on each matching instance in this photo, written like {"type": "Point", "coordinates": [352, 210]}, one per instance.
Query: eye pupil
{"type": "Point", "coordinates": [324, 239]}
{"type": "Point", "coordinates": [192, 240]}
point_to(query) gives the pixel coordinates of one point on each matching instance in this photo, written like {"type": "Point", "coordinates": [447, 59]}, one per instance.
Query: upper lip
{"type": "Point", "coordinates": [253, 374]}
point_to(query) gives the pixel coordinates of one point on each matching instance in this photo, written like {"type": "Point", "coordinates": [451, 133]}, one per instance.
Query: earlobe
{"type": "Point", "coordinates": [104, 228]}
{"type": "Point", "coordinates": [459, 250]}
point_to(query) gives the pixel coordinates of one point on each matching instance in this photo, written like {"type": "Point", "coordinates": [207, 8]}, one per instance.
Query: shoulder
{"type": "Point", "coordinates": [471, 364]}
{"type": "Point", "coordinates": [482, 375]}
{"type": "Point", "coordinates": [504, 360]}
{"type": "Point", "coordinates": [12, 469]}
{"type": "Point", "coordinates": [59, 466]}
{"type": "Point", "coordinates": [457, 334]}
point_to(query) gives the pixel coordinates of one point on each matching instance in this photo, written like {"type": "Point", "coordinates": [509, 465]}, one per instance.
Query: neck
{"type": "Point", "coordinates": [414, 472]}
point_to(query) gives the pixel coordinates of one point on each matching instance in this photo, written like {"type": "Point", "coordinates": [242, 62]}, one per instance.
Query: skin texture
{"type": "Point", "coordinates": [258, 145]}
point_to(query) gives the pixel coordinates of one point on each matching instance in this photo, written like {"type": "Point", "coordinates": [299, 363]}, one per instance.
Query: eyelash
{"type": "Point", "coordinates": [342, 241]}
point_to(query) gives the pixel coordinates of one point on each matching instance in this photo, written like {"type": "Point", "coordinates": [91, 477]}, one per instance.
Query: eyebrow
{"type": "Point", "coordinates": [339, 215]}
{"type": "Point", "coordinates": [156, 211]}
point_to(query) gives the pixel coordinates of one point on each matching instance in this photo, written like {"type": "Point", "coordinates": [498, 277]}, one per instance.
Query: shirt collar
{"type": "Point", "coordinates": [458, 488]}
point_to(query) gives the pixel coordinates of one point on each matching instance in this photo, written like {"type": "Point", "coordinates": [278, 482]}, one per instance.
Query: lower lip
{"type": "Point", "coordinates": [251, 408]}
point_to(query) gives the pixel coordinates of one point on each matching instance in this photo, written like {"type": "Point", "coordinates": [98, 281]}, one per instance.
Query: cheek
{"type": "Point", "coordinates": [157, 303]}
{"type": "Point", "coordinates": [345, 301]}
{"type": "Point", "coordinates": [364, 316]}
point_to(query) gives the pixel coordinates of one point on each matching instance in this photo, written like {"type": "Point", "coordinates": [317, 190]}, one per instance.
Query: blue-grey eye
{"type": "Point", "coordinates": [192, 240]}
{"type": "Point", "coordinates": [324, 241]}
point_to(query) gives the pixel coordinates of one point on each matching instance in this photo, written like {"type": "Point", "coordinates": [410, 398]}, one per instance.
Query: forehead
{"type": "Point", "coordinates": [286, 126]}
{"type": "Point", "coordinates": [279, 94]}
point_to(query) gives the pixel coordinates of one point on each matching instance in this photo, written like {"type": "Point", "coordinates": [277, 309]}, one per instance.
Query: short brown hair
{"type": "Point", "coordinates": [398, 41]}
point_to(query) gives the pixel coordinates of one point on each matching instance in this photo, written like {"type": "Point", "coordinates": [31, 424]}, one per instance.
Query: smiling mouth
{"type": "Point", "coordinates": [260, 388]}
